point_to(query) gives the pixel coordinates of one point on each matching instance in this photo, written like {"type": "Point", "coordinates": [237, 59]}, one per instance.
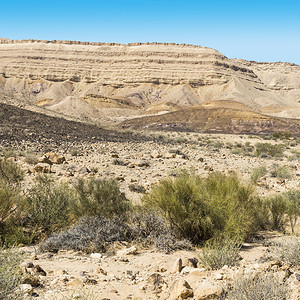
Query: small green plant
{"type": "Point", "coordinates": [277, 206]}
{"type": "Point", "coordinates": [264, 285]}
{"type": "Point", "coordinates": [96, 197]}
{"type": "Point", "coordinates": [281, 172]}
{"type": "Point", "coordinates": [74, 152]}
{"type": "Point", "coordinates": [281, 135]}
{"type": "Point", "coordinates": [269, 149]}
{"type": "Point", "coordinates": [31, 158]}
{"type": "Point", "coordinates": [218, 253]}
{"type": "Point", "coordinates": [293, 207]}
{"type": "Point", "coordinates": [258, 173]}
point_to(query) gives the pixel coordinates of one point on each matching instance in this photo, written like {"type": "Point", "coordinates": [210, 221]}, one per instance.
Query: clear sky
{"type": "Point", "coordinates": [262, 30]}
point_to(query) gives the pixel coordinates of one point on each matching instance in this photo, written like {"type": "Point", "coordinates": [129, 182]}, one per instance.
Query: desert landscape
{"type": "Point", "coordinates": [147, 171]}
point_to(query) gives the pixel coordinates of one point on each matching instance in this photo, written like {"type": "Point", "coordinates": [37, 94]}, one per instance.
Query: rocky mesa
{"type": "Point", "coordinates": [111, 83]}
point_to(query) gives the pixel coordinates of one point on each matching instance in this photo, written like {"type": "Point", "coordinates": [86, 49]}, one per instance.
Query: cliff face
{"type": "Point", "coordinates": [98, 80]}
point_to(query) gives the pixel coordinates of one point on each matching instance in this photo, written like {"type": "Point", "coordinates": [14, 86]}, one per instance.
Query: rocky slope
{"type": "Point", "coordinates": [112, 82]}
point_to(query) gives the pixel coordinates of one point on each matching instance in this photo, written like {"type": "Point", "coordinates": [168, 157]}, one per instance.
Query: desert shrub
{"type": "Point", "coordinates": [269, 149]}
{"type": "Point", "coordinates": [10, 173]}
{"type": "Point", "coordinates": [281, 172]}
{"type": "Point", "coordinates": [98, 233]}
{"type": "Point", "coordinates": [293, 207]}
{"type": "Point", "coordinates": [150, 229]}
{"type": "Point", "coordinates": [295, 155]}
{"type": "Point", "coordinates": [90, 234]}
{"type": "Point", "coordinates": [262, 286]}
{"type": "Point", "coordinates": [281, 135]}
{"type": "Point", "coordinates": [48, 205]}
{"type": "Point", "coordinates": [10, 196]}
{"type": "Point", "coordinates": [31, 158]}
{"type": "Point", "coordinates": [288, 251]}
{"type": "Point", "coordinates": [258, 173]}
{"type": "Point", "coordinates": [277, 206]}
{"type": "Point", "coordinates": [97, 197]}
{"type": "Point", "coordinates": [220, 252]}
{"type": "Point", "coordinates": [201, 208]}
{"type": "Point", "coordinates": [137, 188]}
{"type": "Point", "coordinates": [10, 277]}
{"type": "Point", "coordinates": [74, 152]}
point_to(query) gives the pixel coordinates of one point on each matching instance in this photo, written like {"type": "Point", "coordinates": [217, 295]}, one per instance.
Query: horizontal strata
{"type": "Point", "coordinates": [115, 63]}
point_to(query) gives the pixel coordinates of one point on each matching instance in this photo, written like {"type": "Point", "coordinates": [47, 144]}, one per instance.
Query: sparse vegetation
{"type": "Point", "coordinates": [220, 252]}
{"type": "Point", "coordinates": [269, 149]}
{"type": "Point", "coordinates": [31, 158]}
{"type": "Point", "coordinates": [264, 285]}
{"type": "Point", "coordinates": [97, 234]}
{"type": "Point", "coordinates": [288, 251]}
{"type": "Point", "coordinates": [257, 173]}
{"type": "Point", "coordinates": [10, 277]}
{"type": "Point", "coordinates": [137, 188]}
{"type": "Point", "coordinates": [281, 172]}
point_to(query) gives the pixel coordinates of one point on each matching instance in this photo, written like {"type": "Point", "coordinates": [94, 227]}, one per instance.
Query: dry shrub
{"type": "Point", "coordinates": [219, 253]}
{"type": "Point", "coordinates": [262, 286]}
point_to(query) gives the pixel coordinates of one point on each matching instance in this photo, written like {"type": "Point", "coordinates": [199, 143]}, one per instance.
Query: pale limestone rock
{"type": "Point", "coordinates": [180, 289]}
{"type": "Point", "coordinates": [207, 290]}
{"type": "Point", "coordinates": [128, 251]}
{"type": "Point", "coordinates": [177, 266]}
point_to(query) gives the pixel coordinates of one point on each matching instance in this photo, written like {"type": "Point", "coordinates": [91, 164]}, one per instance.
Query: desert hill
{"type": "Point", "coordinates": [109, 83]}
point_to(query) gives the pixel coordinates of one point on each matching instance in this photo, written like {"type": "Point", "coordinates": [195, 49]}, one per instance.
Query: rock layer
{"type": "Point", "coordinates": [100, 81]}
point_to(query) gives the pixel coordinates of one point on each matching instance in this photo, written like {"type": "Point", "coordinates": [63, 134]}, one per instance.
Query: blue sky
{"type": "Point", "coordinates": [253, 30]}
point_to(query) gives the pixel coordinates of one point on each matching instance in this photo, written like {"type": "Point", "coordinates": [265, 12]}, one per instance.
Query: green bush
{"type": "Point", "coordinates": [96, 197]}
{"type": "Point", "coordinates": [293, 207]}
{"type": "Point", "coordinates": [203, 208]}
{"type": "Point", "coordinates": [48, 205]}
{"type": "Point", "coordinates": [10, 173]}
{"type": "Point", "coordinates": [220, 252]}
{"type": "Point", "coordinates": [258, 173]}
{"type": "Point", "coordinates": [269, 149]}
{"type": "Point", "coordinates": [281, 172]}
{"type": "Point", "coordinates": [277, 206]}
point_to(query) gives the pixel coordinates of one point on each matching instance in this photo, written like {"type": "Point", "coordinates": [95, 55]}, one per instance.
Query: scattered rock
{"type": "Point", "coordinates": [207, 290]}
{"type": "Point", "coordinates": [180, 289]}
{"type": "Point", "coordinates": [177, 267]}
{"type": "Point", "coordinates": [26, 288]}
{"type": "Point", "coordinates": [42, 168]}
{"type": "Point", "coordinates": [128, 251]}
{"type": "Point", "coordinates": [156, 282]}
{"type": "Point", "coordinates": [191, 262]}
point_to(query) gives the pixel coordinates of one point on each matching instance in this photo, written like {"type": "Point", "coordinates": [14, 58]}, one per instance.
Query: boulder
{"type": "Point", "coordinates": [128, 251]}
{"type": "Point", "coordinates": [42, 168]}
{"type": "Point", "coordinates": [52, 158]}
{"type": "Point", "coordinates": [207, 290]}
{"type": "Point", "coordinates": [180, 289]}
{"type": "Point", "coordinates": [177, 267]}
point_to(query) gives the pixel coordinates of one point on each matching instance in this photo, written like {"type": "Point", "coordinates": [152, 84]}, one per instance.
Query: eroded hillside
{"type": "Point", "coordinates": [109, 83]}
